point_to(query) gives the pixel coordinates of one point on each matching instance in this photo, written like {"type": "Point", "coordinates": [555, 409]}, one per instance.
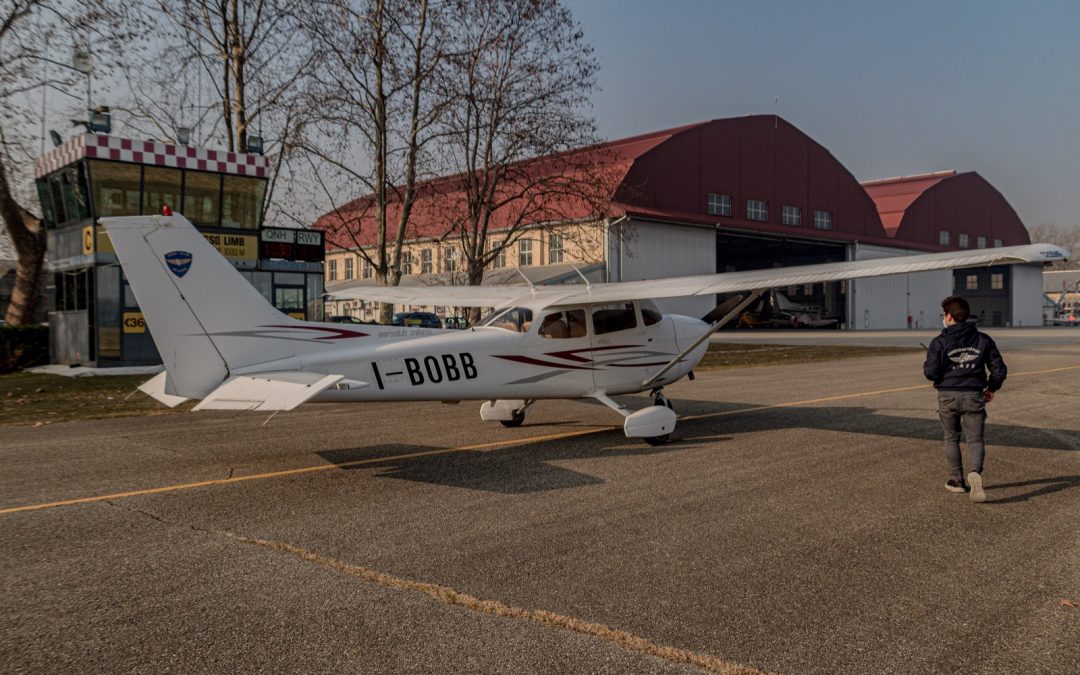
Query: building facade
{"type": "Point", "coordinates": [756, 192]}
{"type": "Point", "coordinates": [95, 318]}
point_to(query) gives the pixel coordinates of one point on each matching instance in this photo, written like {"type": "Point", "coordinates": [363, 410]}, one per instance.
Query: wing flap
{"type": "Point", "coordinates": [267, 391]}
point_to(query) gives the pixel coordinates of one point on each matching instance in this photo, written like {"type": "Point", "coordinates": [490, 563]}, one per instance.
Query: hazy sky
{"type": "Point", "coordinates": [889, 88]}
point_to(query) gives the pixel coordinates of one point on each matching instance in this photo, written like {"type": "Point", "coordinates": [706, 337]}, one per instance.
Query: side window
{"type": "Point", "coordinates": [650, 313]}
{"type": "Point", "coordinates": [613, 318]}
{"type": "Point", "coordinates": [560, 325]}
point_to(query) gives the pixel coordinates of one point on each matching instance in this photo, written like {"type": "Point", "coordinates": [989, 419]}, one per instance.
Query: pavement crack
{"type": "Point", "coordinates": [163, 521]}
{"type": "Point", "coordinates": [623, 639]}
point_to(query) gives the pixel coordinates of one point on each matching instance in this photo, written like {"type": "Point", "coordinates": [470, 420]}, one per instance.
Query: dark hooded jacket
{"type": "Point", "coordinates": [960, 357]}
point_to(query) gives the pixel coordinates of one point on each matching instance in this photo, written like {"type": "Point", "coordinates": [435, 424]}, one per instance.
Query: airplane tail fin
{"type": "Point", "coordinates": [201, 312]}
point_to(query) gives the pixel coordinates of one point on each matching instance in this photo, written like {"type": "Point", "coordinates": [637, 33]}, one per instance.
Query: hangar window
{"type": "Point", "coordinates": [757, 210]}
{"type": "Point", "coordinates": [499, 260]}
{"type": "Point", "coordinates": [791, 215]}
{"type": "Point", "coordinates": [425, 261]}
{"type": "Point", "coordinates": [981, 242]}
{"type": "Point", "coordinates": [823, 220]}
{"type": "Point", "coordinates": [997, 243]}
{"type": "Point", "coordinates": [331, 271]}
{"type": "Point", "coordinates": [525, 257]}
{"type": "Point", "coordinates": [555, 249]}
{"type": "Point", "coordinates": [944, 237]}
{"type": "Point", "coordinates": [719, 205]}
{"type": "Point", "coordinates": [972, 282]}
{"type": "Point", "coordinates": [964, 241]}
{"type": "Point", "coordinates": [997, 281]}
{"type": "Point", "coordinates": [348, 267]}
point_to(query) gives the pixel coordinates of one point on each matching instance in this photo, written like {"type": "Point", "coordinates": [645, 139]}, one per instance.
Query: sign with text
{"type": "Point", "coordinates": [240, 246]}
{"type": "Point", "coordinates": [134, 322]}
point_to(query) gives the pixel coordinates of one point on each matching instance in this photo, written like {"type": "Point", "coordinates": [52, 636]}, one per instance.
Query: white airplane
{"type": "Point", "coordinates": [222, 342]}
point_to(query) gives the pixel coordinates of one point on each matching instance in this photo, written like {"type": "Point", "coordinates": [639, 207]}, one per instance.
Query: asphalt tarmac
{"type": "Point", "coordinates": [797, 523]}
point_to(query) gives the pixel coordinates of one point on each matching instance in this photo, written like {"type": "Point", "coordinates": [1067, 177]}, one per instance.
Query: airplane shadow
{"type": "Point", "coordinates": [533, 467]}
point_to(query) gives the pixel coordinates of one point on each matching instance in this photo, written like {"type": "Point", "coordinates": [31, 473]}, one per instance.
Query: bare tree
{"type": "Point", "coordinates": [28, 30]}
{"type": "Point", "coordinates": [520, 79]}
{"type": "Point", "coordinates": [377, 118]}
{"type": "Point", "coordinates": [1067, 238]}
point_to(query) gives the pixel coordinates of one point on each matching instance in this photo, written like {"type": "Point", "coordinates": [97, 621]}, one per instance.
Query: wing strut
{"type": "Point", "coordinates": [735, 311]}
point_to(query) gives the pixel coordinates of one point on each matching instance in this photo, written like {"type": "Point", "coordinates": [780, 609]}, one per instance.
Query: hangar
{"type": "Point", "coordinates": [756, 192]}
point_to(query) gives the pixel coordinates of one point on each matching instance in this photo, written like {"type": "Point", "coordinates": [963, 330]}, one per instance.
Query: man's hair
{"type": "Point", "coordinates": [956, 307]}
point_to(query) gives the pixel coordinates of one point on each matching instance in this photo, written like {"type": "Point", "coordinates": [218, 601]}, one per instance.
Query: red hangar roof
{"type": "Point", "coordinates": [917, 209]}
{"type": "Point", "coordinates": [669, 175]}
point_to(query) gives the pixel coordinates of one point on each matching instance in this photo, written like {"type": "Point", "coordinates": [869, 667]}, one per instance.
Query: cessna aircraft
{"type": "Point", "coordinates": [222, 342]}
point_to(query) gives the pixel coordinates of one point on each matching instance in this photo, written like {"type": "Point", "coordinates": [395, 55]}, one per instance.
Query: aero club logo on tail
{"type": "Point", "coordinates": [179, 262]}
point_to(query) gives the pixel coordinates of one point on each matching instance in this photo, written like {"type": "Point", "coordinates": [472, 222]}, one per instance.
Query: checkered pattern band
{"type": "Point", "coordinates": [97, 146]}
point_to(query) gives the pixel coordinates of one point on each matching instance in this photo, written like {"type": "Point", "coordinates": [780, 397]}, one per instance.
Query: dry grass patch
{"type": "Point", "coordinates": [36, 399]}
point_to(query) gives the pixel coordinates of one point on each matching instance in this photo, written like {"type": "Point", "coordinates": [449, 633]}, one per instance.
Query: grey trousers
{"type": "Point", "coordinates": [963, 410]}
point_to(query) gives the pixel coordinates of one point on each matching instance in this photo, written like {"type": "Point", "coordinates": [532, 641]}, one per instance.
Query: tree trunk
{"type": "Point", "coordinates": [27, 277]}
{"type": "Point", "coordinates": [28, 235]}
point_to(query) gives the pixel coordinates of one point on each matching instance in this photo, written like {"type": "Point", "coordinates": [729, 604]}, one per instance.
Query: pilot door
{"type": "Point", "coordinates": [621, 351]}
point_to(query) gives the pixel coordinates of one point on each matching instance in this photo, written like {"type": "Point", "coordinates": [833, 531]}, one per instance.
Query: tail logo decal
{"type": "Point", "coordinates": [179, 262]}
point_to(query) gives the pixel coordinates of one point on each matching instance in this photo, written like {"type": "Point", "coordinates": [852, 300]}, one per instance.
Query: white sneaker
{"type": "Point", "coordinates": [975, 483]}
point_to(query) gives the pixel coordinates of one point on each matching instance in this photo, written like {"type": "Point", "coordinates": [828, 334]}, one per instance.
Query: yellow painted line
{"type": "Point", "coordinates": [466, 448]}
{"type": "Point", "coordinates": [444, 594]}
{"type": "Point", "coordinates": [302, 470]}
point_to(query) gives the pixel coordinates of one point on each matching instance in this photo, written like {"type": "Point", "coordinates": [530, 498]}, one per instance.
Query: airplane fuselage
{"type": "Point", "coordinates": [389, 363]}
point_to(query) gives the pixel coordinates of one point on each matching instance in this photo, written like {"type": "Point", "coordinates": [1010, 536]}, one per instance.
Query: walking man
{"type": "Point", "coordinates": [957, 362]}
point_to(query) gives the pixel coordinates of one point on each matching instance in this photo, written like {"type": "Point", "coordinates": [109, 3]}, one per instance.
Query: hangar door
{"type": "Point", "coordinates": [736, 252]}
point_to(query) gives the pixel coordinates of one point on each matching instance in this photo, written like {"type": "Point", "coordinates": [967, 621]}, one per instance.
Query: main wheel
{"type": "Point", "coordinates": [660, 399]}
{"type": "Point", "coordinates": [519, 417]}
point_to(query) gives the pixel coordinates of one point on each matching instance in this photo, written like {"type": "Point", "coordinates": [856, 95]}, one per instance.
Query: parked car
{"type": "Point", "coordinates": [457, 322]}
{"type": "Point", "coordinates": [418, 319]}
{"type": "Point", "coordinates": [344, 318]}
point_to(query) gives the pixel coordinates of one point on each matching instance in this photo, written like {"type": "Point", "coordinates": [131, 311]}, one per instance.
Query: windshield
{"type": "Point", "coordinates": [517, 319]}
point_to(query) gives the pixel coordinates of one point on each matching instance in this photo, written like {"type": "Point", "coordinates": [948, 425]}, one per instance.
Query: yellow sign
{"type": "Point", "coordinates": [296, 315]}
{"type": "Point", "coordinates": [134, 322]}
{"type": "Point", "coordinates": [96, 240]}
{"type": "Point", "coordinates": [241, 246]}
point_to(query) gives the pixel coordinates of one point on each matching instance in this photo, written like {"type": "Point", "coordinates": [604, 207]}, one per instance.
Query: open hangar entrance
{"type": "Point", "coordinates": [738, 251]}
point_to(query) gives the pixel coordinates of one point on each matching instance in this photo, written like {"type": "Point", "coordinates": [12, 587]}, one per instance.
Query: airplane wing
{"type": "Point", "coordinates": [455, 296]}
{"type": "Point", "coordinates": [155, 387]}
{"type": "Point", "coordinates": [706, 284]}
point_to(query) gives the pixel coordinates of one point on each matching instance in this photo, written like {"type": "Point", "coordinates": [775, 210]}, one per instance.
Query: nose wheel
{"type": "Point", "coordinates": [661, 400]}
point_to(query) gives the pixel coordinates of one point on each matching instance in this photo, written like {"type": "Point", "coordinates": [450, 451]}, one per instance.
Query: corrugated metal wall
{"type": "Point", "coordinates": [654, 251]}
{"type": "Point", "coordinates": [884, 303]}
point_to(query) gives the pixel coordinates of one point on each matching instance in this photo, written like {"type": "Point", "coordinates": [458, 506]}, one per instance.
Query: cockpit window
{"type": "Point", "coordinates": [613, 318]}
{"type": "Point", "coordinates": [561, 325]}
{"type": "Point", "coordinates": [516, 319]}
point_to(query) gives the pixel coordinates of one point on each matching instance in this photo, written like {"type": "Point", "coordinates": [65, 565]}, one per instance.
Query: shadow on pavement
{"type": "Point", "coordinates": [531, 467]}
{"type": "Point", "coordinates": [1049, 486]}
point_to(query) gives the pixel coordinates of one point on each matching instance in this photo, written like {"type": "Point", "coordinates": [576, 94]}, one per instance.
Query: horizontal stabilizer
{"type": "Point", "coordinates": [155, 388]}
{"type": "Point", "coordinates": [267, 391]}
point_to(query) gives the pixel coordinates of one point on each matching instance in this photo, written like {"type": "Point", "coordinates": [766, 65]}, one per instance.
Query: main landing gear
{"type": "Point", "coordinates": [508, 412]}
